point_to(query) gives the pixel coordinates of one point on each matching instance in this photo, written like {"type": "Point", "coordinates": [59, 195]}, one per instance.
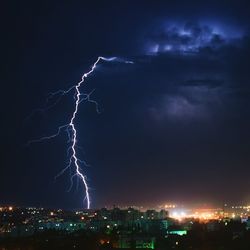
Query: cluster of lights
{"type": "Point", "coordinates": [10, 208]}
{"type": "Point", "coordinates": [204, 215]}
{"type": "Point", "coordinates": [178, 215]}
{"type": "Point", "coordinates": [167, 206]}
{"type": "Point", "coordinates": [200, 215]}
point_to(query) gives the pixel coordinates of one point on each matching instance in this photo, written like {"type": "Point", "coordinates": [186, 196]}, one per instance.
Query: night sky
{"type": "Point", "coordinates": [174, 126]}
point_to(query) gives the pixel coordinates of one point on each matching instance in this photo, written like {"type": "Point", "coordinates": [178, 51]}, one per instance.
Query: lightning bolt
{"type": "Point", "coordinates": [70, 127]}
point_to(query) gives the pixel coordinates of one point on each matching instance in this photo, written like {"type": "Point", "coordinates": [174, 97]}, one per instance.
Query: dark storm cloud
{"type": "Point", "coordinates": [187, 87]}
{"type": "Point", "coordinates": [179, 108]}
{"type": "Point", "coordinates": [191, 37]}
{"type": "Point", "coordinates": [205, 64]}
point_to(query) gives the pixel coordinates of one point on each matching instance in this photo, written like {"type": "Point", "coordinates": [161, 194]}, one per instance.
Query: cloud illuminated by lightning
{"type": "Point", "coordinates": [70, 127]}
